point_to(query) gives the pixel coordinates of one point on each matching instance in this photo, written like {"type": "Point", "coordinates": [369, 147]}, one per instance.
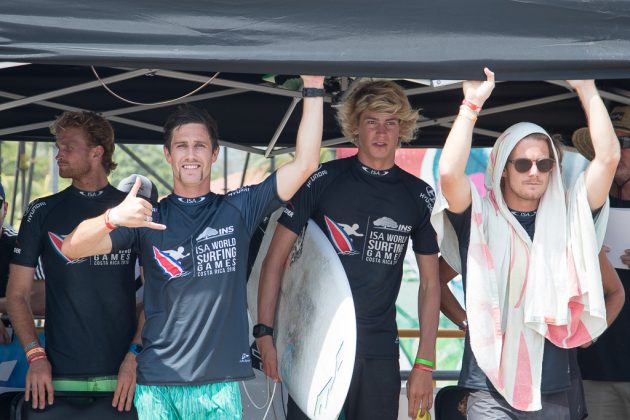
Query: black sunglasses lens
{"type": "Point", "coordinates": [544, 165]}
{"type": "Point", "coordinates": [522, 165]}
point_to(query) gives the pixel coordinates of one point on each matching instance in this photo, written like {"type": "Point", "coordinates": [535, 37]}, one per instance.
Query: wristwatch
{"type": "Point", "coordinates": [313, 92]}
{"type": "Point", "coordinates": [135, 348]}
{"type": "Point", "coordinates": [261, 330]}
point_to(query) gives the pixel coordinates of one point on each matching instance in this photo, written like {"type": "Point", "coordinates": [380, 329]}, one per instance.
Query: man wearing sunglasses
{"type": "Point", "coordinates": [605, 366]}
{"type": "Point", "coordinates": [527, 252]}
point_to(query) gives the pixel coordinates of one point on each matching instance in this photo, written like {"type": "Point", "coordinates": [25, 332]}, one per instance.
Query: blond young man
{"type": "Point", "coordinates": [369, 208]}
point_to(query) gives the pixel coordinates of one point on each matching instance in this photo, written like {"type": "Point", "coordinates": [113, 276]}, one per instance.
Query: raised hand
{"type": "Point", "coordinates": [313, 81]}
{"type": "Point", "coordinates": [134, 211]}
{"type": "Point", "coordinates": [477, 91]}
{"type": "Point", "coordinates": [580, 84]}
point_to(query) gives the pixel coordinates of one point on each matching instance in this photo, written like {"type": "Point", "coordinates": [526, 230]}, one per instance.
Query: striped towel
{"type": "Point", "coordinates": [520, 292]}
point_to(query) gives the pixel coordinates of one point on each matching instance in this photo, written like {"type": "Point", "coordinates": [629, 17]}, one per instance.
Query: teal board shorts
{"type": "Point", "coordinates": [189, 402]}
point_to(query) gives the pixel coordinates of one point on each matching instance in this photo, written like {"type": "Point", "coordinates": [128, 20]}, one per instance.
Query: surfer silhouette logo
{"type": "Point", "coordinates": [340, 239]}
{"type": "Point", "coordinates": [56, 240]}
{"type": "Point", "coordinates": [169, 265]}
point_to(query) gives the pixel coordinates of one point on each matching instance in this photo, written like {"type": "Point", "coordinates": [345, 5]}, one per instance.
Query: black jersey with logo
{"type": "Point", "coordinates": [196, 328]}
{"type": "Point", "coordinates": [368, 215]}
{"type": "Point", "coordinates": [90, 302]}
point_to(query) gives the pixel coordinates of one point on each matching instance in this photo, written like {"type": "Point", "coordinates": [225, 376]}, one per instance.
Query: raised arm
{"type": "Point", "coordinates": [420, 382]}
{"type": "Point", "coordinates": [91, 237]}
{"type": "Point", "coordinates": [291, 176]}
{"type": "Point", "coordinates": [453, 181]}
{"type": "Point", "coordinates": [268, 290]}
{"type": "Point", "coordinates": [39, 374]}
{"type": "Point", "coordinates": [600, 172]}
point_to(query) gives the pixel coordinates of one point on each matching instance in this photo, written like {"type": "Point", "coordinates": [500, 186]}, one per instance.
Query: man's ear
{"type": "Point", "coordinates": [215, 154]}
{"type": "Point", "coordinates": [167, 155]}
{"type": "Point", "coordinates": [98, 151]}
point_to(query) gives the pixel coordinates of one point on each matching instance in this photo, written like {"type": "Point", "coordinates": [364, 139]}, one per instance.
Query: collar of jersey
{"type": "Point", "coordinates": [524, 214]}
{"type": "Point", "coordinates": [193, 201]}
{"type": "Point", "coordinates": [375, 173]}
{"type": "Point", "coordinates": [90, 194]}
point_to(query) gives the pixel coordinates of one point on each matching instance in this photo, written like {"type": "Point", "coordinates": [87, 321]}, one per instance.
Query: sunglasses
{"type": "Point", "coordinates": [523, 165]}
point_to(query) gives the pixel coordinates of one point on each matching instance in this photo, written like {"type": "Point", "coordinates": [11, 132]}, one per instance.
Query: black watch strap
{"type": "Point", "coordinates": [313, 93]}
{"type": "Point", "coordinates": [261, 330]}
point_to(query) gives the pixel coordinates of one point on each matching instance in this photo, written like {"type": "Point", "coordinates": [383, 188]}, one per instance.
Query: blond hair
{"type": "Point", "coordinates": [98, 131]}
{"type": "Point", "coordinates": [383, 97]}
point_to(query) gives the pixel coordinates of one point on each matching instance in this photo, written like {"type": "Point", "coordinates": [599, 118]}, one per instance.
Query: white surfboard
{"type": "Point", "coordinates": [315, 328]}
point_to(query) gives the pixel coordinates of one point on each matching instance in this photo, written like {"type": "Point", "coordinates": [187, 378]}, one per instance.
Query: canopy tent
{"type": "Point", "coordinates": [149, 51]}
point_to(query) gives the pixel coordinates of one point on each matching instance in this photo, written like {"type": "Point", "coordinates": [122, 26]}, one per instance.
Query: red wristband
{"type": "Point", "coordinates": [471, 105]}
{"type": "Point", "coordinates": [38, 357]}
{"type": "Point", "coordinates": [108, 224]}
{"type": "Point", "coordinates": [422, 367]}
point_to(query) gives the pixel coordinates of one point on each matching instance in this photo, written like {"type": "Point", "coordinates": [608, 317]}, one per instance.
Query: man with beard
{"type": "Point", "coordinates": [194, 250]}
{"type": "Point", "coordinates": [90, 302]}
{"type": "Point", "coordinates": [527, 252]}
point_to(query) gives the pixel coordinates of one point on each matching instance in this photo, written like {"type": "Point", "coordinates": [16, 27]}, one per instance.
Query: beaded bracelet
{"type": "Point", "coordinates": [31, 345]}
{"type": "Point", "coordinates": [35, 350]}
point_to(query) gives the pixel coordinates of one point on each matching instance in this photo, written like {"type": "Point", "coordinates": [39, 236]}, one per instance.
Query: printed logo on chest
{"type": "Point", "coordinates": [215, 251]}
{"type": "Point", "coordinates": [386, 242]}
{"type": "Point", "coordinates": [122, 257]}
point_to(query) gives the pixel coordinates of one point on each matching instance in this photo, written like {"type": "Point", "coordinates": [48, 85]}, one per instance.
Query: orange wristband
{"type": "Point", "coordinates": [35, 350]}
{"type": "Point", "coordinates": [40, 357]}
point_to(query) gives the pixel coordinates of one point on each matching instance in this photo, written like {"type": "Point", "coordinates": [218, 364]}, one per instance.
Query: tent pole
{"type": "Point", "coordinates": [54, 172]}
{"type": "Point", "coordinates": [225, 170]}
{"type": "Point", "coordinates": [283, 123]}
{"type": "Point", "coordinates": [245, 168]}
{"type": "Point", "coordinates": [16, 178]}
{"type": "Point", "coordinates": [31, 169]}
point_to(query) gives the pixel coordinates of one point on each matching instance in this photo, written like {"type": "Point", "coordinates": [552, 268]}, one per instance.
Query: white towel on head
{"type": "Point", "coordinates": [519, 291]}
